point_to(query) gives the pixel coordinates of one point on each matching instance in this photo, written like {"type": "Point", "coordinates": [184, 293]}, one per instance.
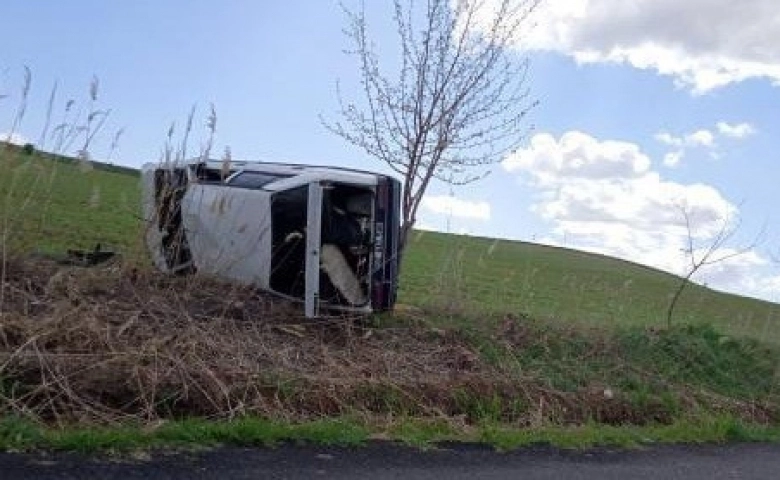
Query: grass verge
{"type": "Point", "coordinates": [17, 434]}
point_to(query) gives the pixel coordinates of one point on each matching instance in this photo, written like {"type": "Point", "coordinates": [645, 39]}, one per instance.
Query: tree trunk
{"type": "Point", "coordinates": [403, 241]}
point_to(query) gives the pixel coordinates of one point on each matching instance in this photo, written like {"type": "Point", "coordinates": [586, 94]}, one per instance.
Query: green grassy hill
{"type": "Point", "coordinates": [473, 275]}
{"type": "Point", "coordinates": [50, 203]}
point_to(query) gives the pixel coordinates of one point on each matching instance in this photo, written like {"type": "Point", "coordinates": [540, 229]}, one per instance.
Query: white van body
{"type": "Point", "coordinates": [326, 236]}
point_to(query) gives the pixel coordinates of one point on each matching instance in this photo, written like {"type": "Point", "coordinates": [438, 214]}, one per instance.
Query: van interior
{"type": "Point", "coordinates": [346, 236]}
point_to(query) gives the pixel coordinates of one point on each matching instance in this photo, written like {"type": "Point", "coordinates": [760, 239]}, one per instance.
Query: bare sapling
{"type": "Point", "coordinates": [456, 102]}
{"type": "Point", "coordinates": [713, 253]}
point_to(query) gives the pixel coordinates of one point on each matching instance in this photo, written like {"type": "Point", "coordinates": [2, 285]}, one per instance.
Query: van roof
{"type": "Point", "coordinates": [297, 171]}
{"type": "Point", "coordinates": [284, 168]}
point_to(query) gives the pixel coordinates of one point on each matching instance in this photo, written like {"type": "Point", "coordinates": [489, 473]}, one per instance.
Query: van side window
{"type": "Point", "coordinates": [209, 175]}
{"type": "Point", "coordinates": [254, 179]}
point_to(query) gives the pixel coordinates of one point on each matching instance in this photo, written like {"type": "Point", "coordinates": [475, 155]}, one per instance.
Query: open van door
{"type": "Point", "coordinates": [313, 249]}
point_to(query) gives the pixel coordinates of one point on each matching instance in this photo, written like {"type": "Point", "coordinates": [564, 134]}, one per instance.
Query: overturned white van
{"type": "Point", "coordinates": [325, 236]}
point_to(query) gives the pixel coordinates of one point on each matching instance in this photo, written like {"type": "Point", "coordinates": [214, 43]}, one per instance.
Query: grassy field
{"type": "Point", "coordinates": [471, 275]}
{"type": "Point", "coordinates": [53, 204]}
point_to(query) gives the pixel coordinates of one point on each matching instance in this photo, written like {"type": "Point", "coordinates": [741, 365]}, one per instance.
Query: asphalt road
{"type": "Point", "coordinates": [384, 461]}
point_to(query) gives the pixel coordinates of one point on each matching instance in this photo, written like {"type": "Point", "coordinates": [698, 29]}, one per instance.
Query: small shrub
{"type": "Point", "coordinates": [28, 149]}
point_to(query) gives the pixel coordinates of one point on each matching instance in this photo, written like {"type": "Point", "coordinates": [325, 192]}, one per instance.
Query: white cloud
{"type": "Point", "coordinates": [455, 207]}
{"type": "Point", "coordinates": [701, 138]}
{"type": "Point", "coordinates": [590, 180]}
{"type": "Point", "coordinates": [626, 209]}
{"type": "Point", "coordinates": [746, 273]}
{"type": "Point", "coordinates": [13, 138]}
{"type": "Point", "coordinates": [672, 159]}
{"type": "Point", "coordinates": [739, 130]}
{"type": "Point", "coordinates": [701, 44]}
{"type": "Point", "coordinates": [578, 155]}
{"type": "Point", "coordinates": [668, 139]}
{"type": "Point", "coordinates": [422, 225]}
{"type": "Point", "coordinates": [730, 268]}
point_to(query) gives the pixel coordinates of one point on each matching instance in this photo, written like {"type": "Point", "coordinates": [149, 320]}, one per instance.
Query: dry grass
{"type": "Point", "coordinates": [108, 343]}
{"type": "Point", "coordinates": [116, 344]}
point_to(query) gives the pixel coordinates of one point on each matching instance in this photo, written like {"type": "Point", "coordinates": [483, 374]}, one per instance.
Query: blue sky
{"type": "Point", "coordinates": [642, 110]}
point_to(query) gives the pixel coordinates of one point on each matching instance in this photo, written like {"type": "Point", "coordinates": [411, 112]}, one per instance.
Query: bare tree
{"type": "Point", "coordinates": [456, 102]}
{"type": "Point", "coordinates": [698, 258]}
